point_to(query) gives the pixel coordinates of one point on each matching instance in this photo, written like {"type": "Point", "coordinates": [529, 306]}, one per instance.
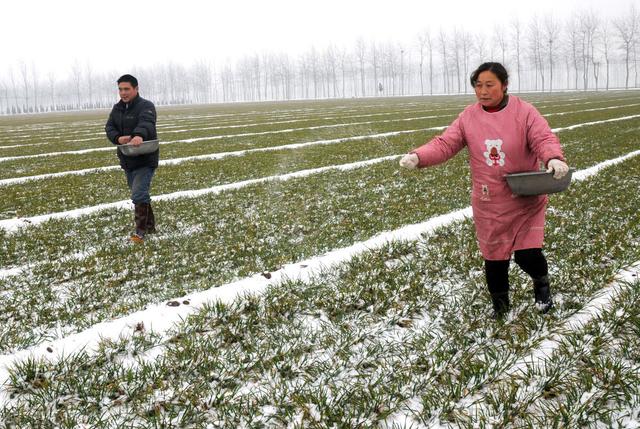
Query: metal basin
{"type": "Point", "coordinates": [537, 182]}
{"type": "Point", "coordinates": [146, 147]}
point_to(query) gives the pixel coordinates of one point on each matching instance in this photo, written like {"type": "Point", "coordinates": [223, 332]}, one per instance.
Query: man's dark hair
{"type": "Point", "coordinates": [128, 78]}
{"type": "Point", "coordinates": [496, 68]}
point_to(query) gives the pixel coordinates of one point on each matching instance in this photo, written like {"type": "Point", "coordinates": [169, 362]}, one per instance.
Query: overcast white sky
{"type": "Point", "coordinates": [120, 34]}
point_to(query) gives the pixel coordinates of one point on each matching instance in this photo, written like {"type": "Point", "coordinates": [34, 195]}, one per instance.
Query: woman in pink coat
{"type": "Point", "coordinates": [503, 134]}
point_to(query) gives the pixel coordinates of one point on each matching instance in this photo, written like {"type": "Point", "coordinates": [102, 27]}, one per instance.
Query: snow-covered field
{"type": "Point", "coordinates": [299, 278]}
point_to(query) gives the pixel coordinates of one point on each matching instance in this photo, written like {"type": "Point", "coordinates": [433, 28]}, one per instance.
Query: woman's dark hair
{"type": "Point", "coordinates": [495, 68]}
{"type": "Point", "coordinates": [130, 79]}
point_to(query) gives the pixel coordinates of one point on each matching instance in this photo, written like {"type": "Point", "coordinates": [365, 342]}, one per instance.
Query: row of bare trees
{"type": "Point", "coordinates": [585, 52]}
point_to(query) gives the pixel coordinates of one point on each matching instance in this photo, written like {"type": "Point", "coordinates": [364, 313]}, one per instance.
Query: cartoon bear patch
{"type": "Point", "coordinates": [494, 154]}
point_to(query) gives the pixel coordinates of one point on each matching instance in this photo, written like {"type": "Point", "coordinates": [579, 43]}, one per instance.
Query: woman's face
{"type": "Point", "coordinates": [489, 89]}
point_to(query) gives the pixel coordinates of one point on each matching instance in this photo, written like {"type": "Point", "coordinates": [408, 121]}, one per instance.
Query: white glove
{"type": "Point", "coordinates": [409, 161]}
{"type": "Point", "coordinates": [559, 168]}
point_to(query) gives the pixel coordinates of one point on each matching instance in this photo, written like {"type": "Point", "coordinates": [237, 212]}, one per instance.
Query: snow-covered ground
{"type": "Point", "coordinates": [409, 409]}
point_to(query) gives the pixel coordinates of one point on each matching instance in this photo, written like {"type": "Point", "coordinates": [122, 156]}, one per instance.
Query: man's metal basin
{"type": "Point", "coordinates": [146, 147]}
{"type": "Point", "coordinates": [537, 182]}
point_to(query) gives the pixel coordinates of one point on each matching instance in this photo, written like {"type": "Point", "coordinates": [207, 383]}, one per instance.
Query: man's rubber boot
{"type": "Point", "coordinates": [141, 216]}
{"type": "Point", "coordinates": [151, 221]}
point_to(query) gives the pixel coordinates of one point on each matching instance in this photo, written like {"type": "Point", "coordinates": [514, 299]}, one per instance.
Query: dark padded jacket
{"type": "Point", "coordinates": [136, 118]}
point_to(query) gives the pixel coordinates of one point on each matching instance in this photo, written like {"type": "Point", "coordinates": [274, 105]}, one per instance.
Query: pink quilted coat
{"type": "Point", "coordinates": [512, 140]}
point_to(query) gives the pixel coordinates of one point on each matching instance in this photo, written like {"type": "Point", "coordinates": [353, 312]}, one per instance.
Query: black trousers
{"type": "Point", "coordinates": [532, 262]}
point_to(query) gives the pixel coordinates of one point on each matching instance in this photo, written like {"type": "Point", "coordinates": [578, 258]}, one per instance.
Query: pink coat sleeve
{"type": "Point", "coordinates": [541, 140]}
{"type": "Point", "coordinates": [442, 147]}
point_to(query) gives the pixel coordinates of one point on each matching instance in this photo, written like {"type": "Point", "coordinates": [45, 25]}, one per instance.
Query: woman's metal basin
{"type": "Point", "coordinates": [146, 147]}
{"type": "Point", "coordinates": [537, 182]}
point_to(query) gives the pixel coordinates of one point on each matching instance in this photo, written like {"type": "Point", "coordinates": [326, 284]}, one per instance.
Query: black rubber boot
{"type": "Point", "coordinates": [141, 215]}
{"type": "Point", "coordinates": [151, 221]}
{"type": "Point", "coordinates": [497, 274]}
{"type": "Point", "coordinates": [542, 292]}
{"type": "Point", "coordinates": [500, 305]}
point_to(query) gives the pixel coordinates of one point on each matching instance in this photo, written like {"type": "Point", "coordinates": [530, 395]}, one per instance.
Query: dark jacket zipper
{"type": "Point", "coordinates": [123, 114]}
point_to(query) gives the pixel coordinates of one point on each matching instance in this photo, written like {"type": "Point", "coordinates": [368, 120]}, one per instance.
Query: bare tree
{"type": "Point", "coordinates": [51, 77]}
{"type": "Point", "coordinates": [172, 83]}
{"type": "Point", "coordinates": [89, 79]}
{"type": "Point", "coordinates": [500, 37]}
{"type": "Point", "coordinates": [374, 66]}
{"type": "Point", "coordinates": [595, 59]}
{"type": "Point", "coordinates": [574, 43]}
{"type": "Point", "coordinates": [422, 47]}
{"type": "Point", "coordinates": [14, 89]}
{"type": "Point", "coordinates": [588, 26]}
{"type": "Point", "coordinates": [535, 44]}
{"type": "Point", "coordinates": [442, 38]}
{"type": "Point", "coordinates": [265, 77]}
{"type": "Point", "coordinates": [331, 60]}
{"type": "Point", "coordinates": [36, 86]}
{"type": "Point", "coordinates": [384, 69]}
{"type": "Point", "coordinates": [551, 32]}
{"type": "Point", "coordinates": [467, 47]}
{"type": "Point", "coordinates": [202, 81]}
{"type": "Point", "coordinates": [278, 83]}
{"type": "Point", "coordinates": [606, 42]}
{"type": "Point", "coordinates": [361, 53]}
{"type": "Point", "coordinates": [313, 61]}
{"type": "Point", "coordinates": [516, 37]}
{"type": "Point", "coordinates": [25, 82]}
{"type": "Point", "coordinates": [243, 72]}
{"type": "Point", "coordinates": [5, 97]}
{"type": "Point", "coordinates": [341, 56]}
{"type": "Point", "coordinates": [457, 47]}
{"type": "Point", "coordinates": [425, 47]}
{"type": "Point", "coordinates": [628, 28]}
{"type": "Point", "coordinates": [390, 67]}
{"type": "Point", "coordinates": [566, 54]}
{"type": "Point", "coordinates": [354, 74]}
{"type": "Point", "coordinates": [214, 88]}
{"type": "Point", "coordinates": [304, 75]}
{"type": "Point", "coordinates": [481, 48]}
{"type": "Point", "coordinates": [324, 76]}
{"type": "Point", "coordinates": [76, 75]}
{"type": "Point", "coordinates": [275, 79]}
{"type": "Point", "coordinates": [635, 63]}
{"type": "Point", "coordinates": [401, 69]}
{"type": "Point", "coordinates": [256, 75]}
{"type": "Point", "coordinates": [288, 76]}
{"type": "Point", "coordinates": [226, 76]}
{"type": "Point", "coordinates": [160, 80]}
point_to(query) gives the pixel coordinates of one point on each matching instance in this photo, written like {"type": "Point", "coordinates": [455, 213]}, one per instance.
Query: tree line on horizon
{"type": "Point", "coordinates": [584, 52]}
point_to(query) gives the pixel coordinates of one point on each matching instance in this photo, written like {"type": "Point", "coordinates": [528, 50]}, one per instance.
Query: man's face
{"type": "Point", "coordinates": [127, 91]}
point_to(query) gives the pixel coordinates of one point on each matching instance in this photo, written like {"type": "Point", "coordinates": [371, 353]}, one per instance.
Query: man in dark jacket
{"type": "Point", "coordinates": [132, 121]}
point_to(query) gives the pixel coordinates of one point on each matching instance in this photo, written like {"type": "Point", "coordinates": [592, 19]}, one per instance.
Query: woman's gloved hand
{"type": "Point", "coordinates": [559, 168]}
{"type": "Point", "coordinates": [409, 161]}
